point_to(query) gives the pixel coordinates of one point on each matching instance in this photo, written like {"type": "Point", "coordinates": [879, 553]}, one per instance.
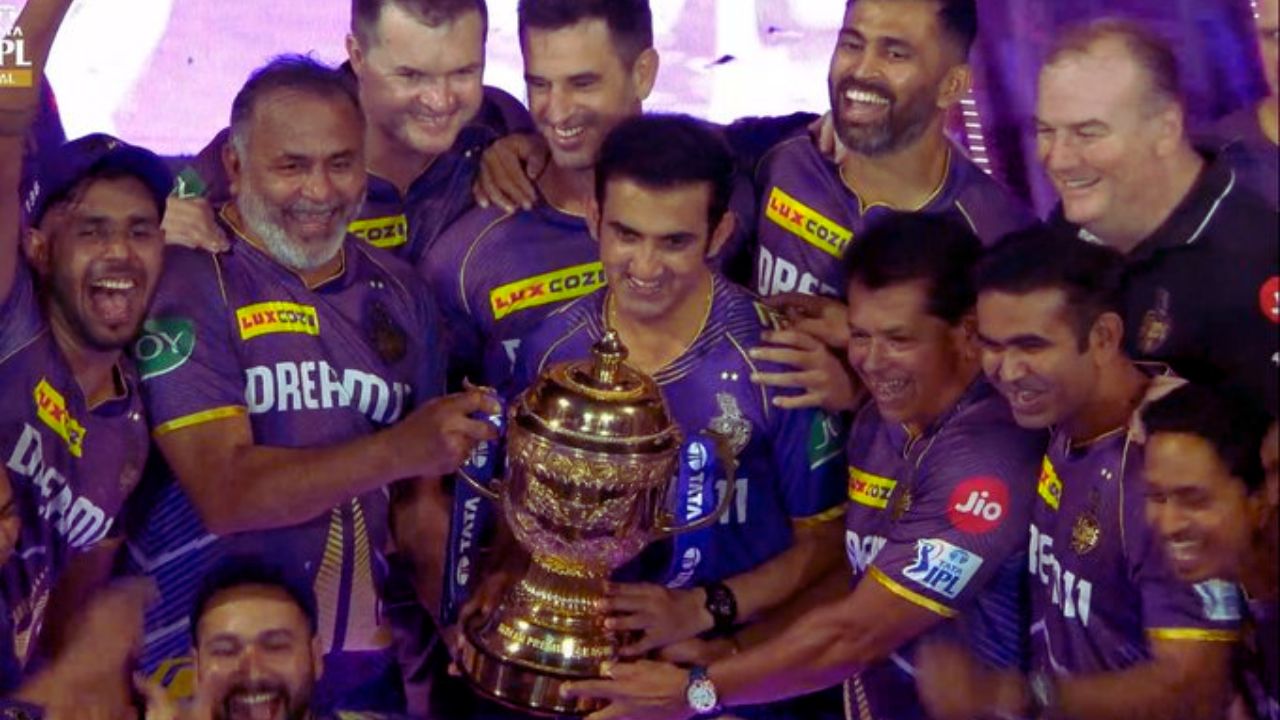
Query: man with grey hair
{"type": "Point", "coordinates": [292, 383]}
{"type": "Point", "coordinates": [1200, 249]}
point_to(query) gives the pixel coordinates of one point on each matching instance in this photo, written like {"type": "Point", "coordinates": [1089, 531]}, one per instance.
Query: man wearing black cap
{"type": "Point", "coordinates": [73, 435]}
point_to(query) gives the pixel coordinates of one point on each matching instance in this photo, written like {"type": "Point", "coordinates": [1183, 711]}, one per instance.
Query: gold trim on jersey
{"type": "Point", "coordinates": [910, 595]}
{"type": "Point", "coordinates": [1193, 634]}
{"type": "Point", "coordinates": [199, 418]}
{"type": "Point", "coordinates": [826, 516]}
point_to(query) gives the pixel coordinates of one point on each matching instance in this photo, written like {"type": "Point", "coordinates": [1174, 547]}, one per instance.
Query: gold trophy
{"type": "Point", "coordinates": [591, 455]}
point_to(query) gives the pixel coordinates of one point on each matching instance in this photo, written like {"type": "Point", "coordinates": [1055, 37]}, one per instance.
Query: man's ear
{"type": "Point", "coordinates": [1171, 126]}
{"type": "Point", "coordinates": [37, 247]}
{"type": "Point", "coordinates": [232, 163]}
{"type": "Point", "coordinates": [355, 54]}
{"type": "Point", "coordinates": [722, 232]}
{"type": "Point", "coordinates": [966, 336]}
{"type": "Point", "coordinates": [955, 86]}
{"type": "Point", "coordinates": [644, 73]}
{"type": "Point", "coordinates": [593, 217]}
{"type": "Point", "coordinates": [1107, 334]}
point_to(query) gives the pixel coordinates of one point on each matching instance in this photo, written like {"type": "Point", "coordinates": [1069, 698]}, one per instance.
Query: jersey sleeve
{"type": "Point", "coordinates": [1172, 609]}
{"type": "Point", "coordinates": [968, 512]}
{"type": "Point", "coordinates": [809, 457]}
{"type": "Point", "coordinates": [442, 267]}
{"type": "Point", "coordinates": [190, 371]}
{"type": "Point", "coordinates": [20, 316]}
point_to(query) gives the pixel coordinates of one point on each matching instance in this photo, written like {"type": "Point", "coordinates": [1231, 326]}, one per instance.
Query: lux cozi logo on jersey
{"type": "Point", "coordinates": [51, 407]}
{"type": "Point", "coordinates": [1066, 591]}
{"type": "Point", "coordinates": [807, 224]}
{"type": "Point", "coordinates": [1050, 485]}
{"type": "Point", "coordinates": [276, 317]}
{"type": "Point", "coordinates": [870, 490]}
{"type": "Point", "coordinates": [555, 286]}
{"type": "Point", "coordinates": [384, 232]}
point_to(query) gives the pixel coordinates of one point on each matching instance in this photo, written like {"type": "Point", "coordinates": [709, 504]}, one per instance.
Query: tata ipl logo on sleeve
{"type": "Point", "coordinates": [15, 67]}
{"type": "Point", "coordinates": [942, 567]}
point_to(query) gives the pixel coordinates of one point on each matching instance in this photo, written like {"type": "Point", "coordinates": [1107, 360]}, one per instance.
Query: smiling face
{"type": "Point", "coordinates": [893, 74]}
{"type": "Point", "coordinates": [420, 84]}
{"type": "Point", "coordinates": [1102, 137]}
{"type": "Point", "coordinates": [912, 362]}
{"type": "Point", "coordinates": [654, 245]}
{"type": "Point", "coordinates": [298, 176]}
{"type": "Point", "coordinates": [256, 658]}
{"type": "Point", "coordinates": [100, 254]}
{"type": "Point", "coordinates": [1203, 515]}
{"type": "Point", "coordinates": [1031, 353]}
{"type": "Point", "coordinates": [580, 88]}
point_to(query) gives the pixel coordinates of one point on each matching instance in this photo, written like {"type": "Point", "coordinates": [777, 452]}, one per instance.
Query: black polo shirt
{"type": "Point", "coordinates": [1201, 291]}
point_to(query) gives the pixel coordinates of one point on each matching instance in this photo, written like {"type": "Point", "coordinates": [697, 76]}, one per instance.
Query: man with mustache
{"type": "Point", "coordinates": [292, 382]}
{"type": "Point", "coordinates": [1203, 286]}
{"type": "Point", "coordinates": [940, 484]}
{"type": "Point", "coordinates": [420, 66]}
{"type": "Point", "coordinates": [73, 436]}
{"type": "Point", "coordinates": [1212, 497]}
{"type": "Point", "coordinates": [1114, 634]}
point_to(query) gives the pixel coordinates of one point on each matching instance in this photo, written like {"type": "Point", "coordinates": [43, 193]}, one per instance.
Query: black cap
{"type": "Point", "coordinates": [57, 170]}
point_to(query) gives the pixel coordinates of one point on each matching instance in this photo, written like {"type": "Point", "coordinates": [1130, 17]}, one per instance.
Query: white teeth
{"type": "Point", "coordinates": [1183, 550]}
{"type": "Point", "coordinates": [113, 284]}
{"type": "Point", "coordinates": [644, 284]}
{"type": "Point", "coordinates": [1077, 184]}
{"type": "Point", "coordinates": [862, 96]}
{"type": "Point", "coordinates": [256, 698]}
{"type": "Point", "coordinates": [569, 133]}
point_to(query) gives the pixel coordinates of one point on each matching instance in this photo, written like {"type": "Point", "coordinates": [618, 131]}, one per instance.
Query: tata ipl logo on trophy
{"type": "Point", "coordinates": [15, 66]}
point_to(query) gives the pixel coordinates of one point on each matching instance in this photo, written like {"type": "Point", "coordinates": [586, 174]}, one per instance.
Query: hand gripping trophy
{"type": "Point", "coordinates": [591, 457]}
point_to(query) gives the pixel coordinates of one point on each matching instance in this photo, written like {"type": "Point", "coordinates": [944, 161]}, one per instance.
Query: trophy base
{"type": "Point", "coordinates": [545, 632]}
{"type": "Point", "coordinates": [535, 691]}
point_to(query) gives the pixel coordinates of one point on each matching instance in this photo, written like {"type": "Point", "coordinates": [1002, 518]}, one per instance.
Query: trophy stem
{"type": "Point", "coordinates": [546, 631]}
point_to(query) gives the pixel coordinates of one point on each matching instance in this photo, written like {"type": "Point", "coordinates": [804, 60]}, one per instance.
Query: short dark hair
{"type": "Point", "coordinates": [1231, 424]}
{"type": "Point", "coordinates": [630, 22]}
{"type": "Point", "coordinates": [908, 247]}
{"type": "Point", "coordinates": [1091, 276]}
{"type": "Point", "coordinates": [289, 72]}
{"type": "Point", "coordinates": [244, 570]}
{"type": "Point", "coordinates": [665, 151]}
{"type": "Point", "coordinates": [432, 13]}
{"type": "Point", "coordinates": [959, 20]}
{"type": "Point", "coordinates": [1151, 52]}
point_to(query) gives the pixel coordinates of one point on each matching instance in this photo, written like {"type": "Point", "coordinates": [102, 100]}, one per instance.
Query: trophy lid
{"type": "Point", "coordinates": [600, 404]}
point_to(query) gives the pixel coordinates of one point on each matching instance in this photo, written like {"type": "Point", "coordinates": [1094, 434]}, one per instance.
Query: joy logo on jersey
{"type": "Point", "coordinates": [556, 286]}
{"type": "Point", "coordinates": [164, 346]}
{"type": "Point", "coordinates": [942, 567]}
{"type": "Point", "coordinates": [384, 232]}
{"type": "Point", "coordinates": [1220, 600]}
{"type": "Point", "coordinates": [277, 317]}
{"type": "Point", "coordinates": [978, 505]}
{"type": "Point", "coordinates": [51, 407]}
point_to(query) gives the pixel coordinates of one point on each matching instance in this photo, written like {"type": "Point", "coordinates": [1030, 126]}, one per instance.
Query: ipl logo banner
{"type": "Point", "coordinates": [15, 66]}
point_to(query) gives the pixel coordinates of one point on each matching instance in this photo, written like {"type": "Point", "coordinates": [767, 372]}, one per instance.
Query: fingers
{"type": "Point", "coordinates": [190, 222]}
{"type": "Point", "coordinates": [503, 178]}
{"type": "Point", "coordinates": [806, 304]}
{"type": "Point", "coordinates": [799, 402]}
{"type": "Point", "coordinates": [801, 360]}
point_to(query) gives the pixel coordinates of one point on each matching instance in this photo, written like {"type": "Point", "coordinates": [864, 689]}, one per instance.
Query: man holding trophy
{"type": "Point", "coordinates": [659, 212]}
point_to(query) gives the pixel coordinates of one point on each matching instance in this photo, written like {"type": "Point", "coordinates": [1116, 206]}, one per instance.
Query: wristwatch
{"type": "Point", "coordinates": [723, 607]}
{"type": "Point", "coordinates": [701, 694]}
{"type": "Point", "coordinates": [1043, 690]}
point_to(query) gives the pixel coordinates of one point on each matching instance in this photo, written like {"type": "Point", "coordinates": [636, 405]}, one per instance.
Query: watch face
{"type": "Point", "coordinates": [702, 696]}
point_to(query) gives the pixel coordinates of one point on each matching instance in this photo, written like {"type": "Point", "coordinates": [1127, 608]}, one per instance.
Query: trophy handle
{"type": "Point", "coordinates": [724, 453]}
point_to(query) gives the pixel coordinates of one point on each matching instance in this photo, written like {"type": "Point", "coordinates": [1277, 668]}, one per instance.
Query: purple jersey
{"type": "Point", "coordinates": [1257, 160]}
{"type": "Point", "coordinates": [1100, 586]}
{"type": "Point", "coordinates": [940, 520]}
{"type": "Point", "coordinates": [403, 223]}
{"type": "Point", "coordinates": [238, 334]}
{"type": "Point", "coordinates": [1258, 659]}
{"type": "Point", "coordinates": [807, 215]}
{"type": "Point", "coordinates": [788, 460]}
{"type": "Point", "coordinates": [71, 465]}
{"type": "Point", "coordinates": [496, 276]}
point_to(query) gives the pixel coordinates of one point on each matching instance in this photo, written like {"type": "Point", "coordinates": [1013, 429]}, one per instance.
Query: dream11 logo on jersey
{"type": "Point", "coordinates": [15, 67]}
{"type": "Point", "coordinates": [978, 505]}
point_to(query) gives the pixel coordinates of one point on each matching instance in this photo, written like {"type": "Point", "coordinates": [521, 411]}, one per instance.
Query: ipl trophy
{"type": "Point", "coordinates": [591, 456]}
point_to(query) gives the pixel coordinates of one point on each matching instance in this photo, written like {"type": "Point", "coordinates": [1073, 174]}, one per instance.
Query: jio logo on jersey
{"type": "Point", "coordinates": [978, 505]}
